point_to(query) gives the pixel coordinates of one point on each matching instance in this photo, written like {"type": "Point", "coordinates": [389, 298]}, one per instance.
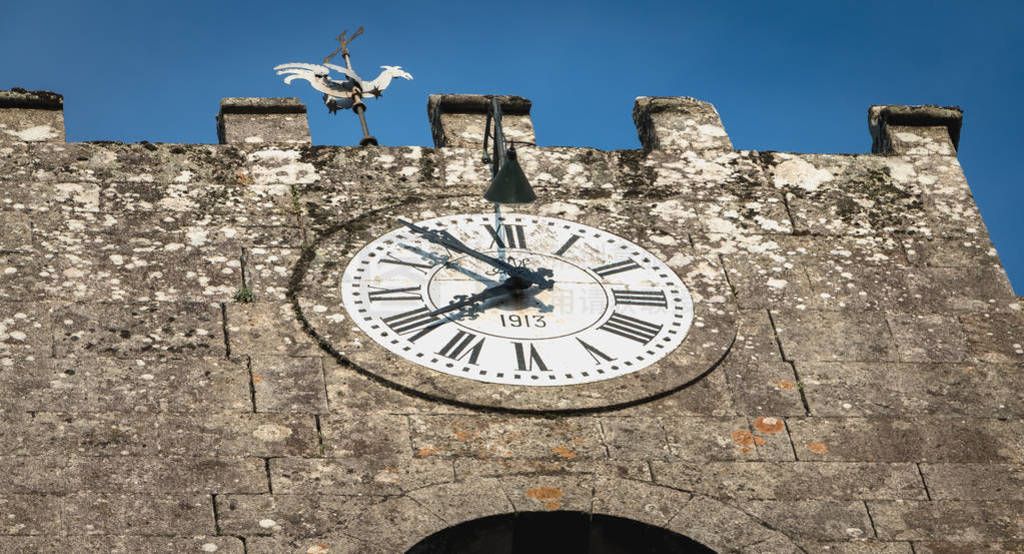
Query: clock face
{"type": "Point", "coordinates": [613, 308]}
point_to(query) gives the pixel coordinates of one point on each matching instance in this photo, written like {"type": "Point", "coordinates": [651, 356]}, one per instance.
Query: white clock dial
{"type": "Point", "coordinates": [612, 307]}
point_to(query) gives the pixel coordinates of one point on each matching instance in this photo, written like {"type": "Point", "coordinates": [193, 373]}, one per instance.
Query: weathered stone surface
{"type": "Point", "coordinates": [955, 520]}
{"type": "Point", "coordinates": [995, 338]}
{"type": "Point", "coordinates": [845, 389]}
{"type": "Point", "coordinates": [928, 439]}
{"type": "Point", "coordinates": [289, 385]}
{"type": "Point", "coordinates": [118, 385]}
{"type": "Point", "coordinates": [363, 475]}
{"type": "Point", "coordinates": [262, 120]}
{"type": "Point", "coordinates": [792, 480]}
{"type": "Point", "coordinates": [928, 338]}
{"type": "Point", "coordinates": [950, 547]}
{"type": "Point", "coordinates": [129, 330]}
{"type": "Point", "coordinates": [134, 514]}
{"type": "Point", "coordinates": [197, 475]}
{"type": "Point", "coordinates": [808, 336]}
{"type": "Point", "coordinates": [376, 436]}
{"type": "Point", "coordinates": [459, 120]}
{"type": "Point", "coordinates": [137, 392]}
{"type": "Point", "coordinates": [974, 481]}
{"type": "Point", "coordinates": [267, 328]}
{"type": "Point", "coordinates": [30, 514]}
{"type": "Point", "coordinates": [856, 547]}
{"type": "Point", "coordinates": [31, 116]}
{"type": "Point", "coordinates": [813, 519]}
{"type": "Point", "coordinates": [494, 437]}
{"type": "Point", "coordinates": [678, 123]}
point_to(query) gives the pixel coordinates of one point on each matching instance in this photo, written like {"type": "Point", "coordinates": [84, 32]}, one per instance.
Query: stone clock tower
{"type": "Point", "coordinates": [267, 346]}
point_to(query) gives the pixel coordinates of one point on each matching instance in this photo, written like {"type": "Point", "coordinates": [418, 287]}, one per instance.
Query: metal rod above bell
{"type": "Point", "coordinates": [508, 182]}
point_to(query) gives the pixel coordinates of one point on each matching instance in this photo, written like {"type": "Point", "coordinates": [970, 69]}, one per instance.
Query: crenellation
{"type": "Point", "coordinates": [262, 120]}
{"type": "Point", "coordinates": [678, 123]}
{"type": "Point", "coordinates": [31, 116]}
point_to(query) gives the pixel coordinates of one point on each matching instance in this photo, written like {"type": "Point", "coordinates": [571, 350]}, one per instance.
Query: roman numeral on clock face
{"type": "Point", "coordinates": [631, 328]}
{"type": "Point", "coordinates": [640, 297]}
{"type": "Point", "coordinates": [459, 347]}
{"type": "Point", "coordinates": [515, 236]}
{"type": "Point", "coordinates": [405, 293]}
{"type": "Point", "coordinates": [527, 361]}
{"type": "Point", "coordinates": [615, 267]}
{"type": "Point", "coordinates": [568, 244]}
{"type": "Point", "coordinates": [418, 321]}
{"type": "Point", "coordinates": [595, 353]}
{"type": "Point", "coordinates": [418, 266]}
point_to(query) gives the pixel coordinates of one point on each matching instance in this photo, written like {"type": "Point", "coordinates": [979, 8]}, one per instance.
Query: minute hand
{"type": "Point", "coordinates": [539, 278]}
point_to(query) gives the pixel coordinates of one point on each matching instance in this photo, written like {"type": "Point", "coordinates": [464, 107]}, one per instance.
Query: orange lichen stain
{"type": "Point", "coordinates": [319, 548]}
{"type": "Point", "coordinates": [548, 495]}
{"type": "Point", "coordinates": [552, 505]}
{"type": "Point", "coordinates": [428, 451]}
{"type": "Point", "coordinates": [817, 447]}
{"type": "Point", "coordinates": [391, 469]}
{"type": "Point", "coordinates": [462, 434]}
{"type": "Point", "coordinates": [745, 439]}
{"type": "Point", "coordinates": [577, 440]}
{"type": "Point", "coordinates": [242, 178]}
{"type": "Point", "coordinates": [563, 452]}
{"type": "Point", "coordinates": [769, 425]}
{"type": "Point", "coordinates": [787, 385]}
{"type": "Point", "coordinates": [257, 378]}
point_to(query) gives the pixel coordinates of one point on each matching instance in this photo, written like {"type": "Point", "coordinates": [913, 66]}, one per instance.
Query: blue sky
{"type": "Point", "coordinates": [787, 76]}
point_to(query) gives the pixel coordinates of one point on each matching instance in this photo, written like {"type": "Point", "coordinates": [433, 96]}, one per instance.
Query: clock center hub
{"type": "Point", "coordinates": [576, 302]}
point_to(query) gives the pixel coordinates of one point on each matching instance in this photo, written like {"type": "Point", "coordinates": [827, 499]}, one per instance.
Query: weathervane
{"type": "Point", "coordinates": [347, 93]}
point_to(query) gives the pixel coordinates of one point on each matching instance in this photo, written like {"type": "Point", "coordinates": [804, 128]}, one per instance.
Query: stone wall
{"type": "Point", "coordinates": [160, 389]}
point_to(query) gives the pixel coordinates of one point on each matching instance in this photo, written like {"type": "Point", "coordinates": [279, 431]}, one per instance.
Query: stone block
{"type": "Point", "coordinates": [928, 439]}
{"type": "Point", "coordinates": [356, 475]}
{"type": "Point", "coordinates": [975, 547]}
{"type": "Point", "coordinates": [928, 338]}
{"type": "Point", "coordinates": [763, 389]}
{"type": "Point", "coordinates": [974, 481]}
{"type": "Point", "coordinates": [31, 116]}
{"type": "Point", "coordinates": [242, 435]}
{"type": "Point", "coordinates": [289, 515]}
{"type": "Point", "coordinates": [727, 438]}
{"type": "Point", "coordinates": [850, 389]}
{"type": "Point", "coordinates": [29, 514]}
{"type": "Point", "coordinates": [678, 123]}
{"type": "Point", "coordinates": [167, 475]}
{"type": "Point", "coordinates": [459, 120]}
{"type": "Point", "coordinates": [176, 545]}
{"type": "Point", "coordinates": [792, 480]}
{"type": "Point", "coordinates": [540, 493]}
{"type": "Point", "coordinates": [634, 438]}
{"type": "Point", "coordinates": [267, 328]}
{"type": "Point", "coordinates": [334, 544]}
{"type": "Point", "coordinates": [115, 385]}
{"type": "Point", "coordinates": [25, 332]}
{"type": "Point", "coordinates": [856, 547]}
{"type": "Point", "coordinates": [155, 329]}
{"type": "Point", "coordinates": [485, 436]}
{"type": "Point", "coordinates": [134, 514]}
{"type": "Point", "coordinates": [350, 392]}
{"type": "Point", "coordinates": [995, 337]}
{"type": "Point", "coordinates": [464, 500]}
{"type": "Point", "coordinates": [289, 385]}
{"type": "Point", "coordinates": [813, 519]}
{"type": "Point", "coordinates": [966, 251]}
{"type": "Point", "coordinates": [633, 470]}
{"type": "Point", "coordinates": [834, 336]}
{"type": "Point", "coordinates": [952, 520]}
{"type": "Point", "coordinates": [262, 120]}
{"type": "Point", "coordinates": [32, 475]}
{"type": "Point", "coordinates": [829, 194]}
{"type": "Point", "coordinates": [371, 436]}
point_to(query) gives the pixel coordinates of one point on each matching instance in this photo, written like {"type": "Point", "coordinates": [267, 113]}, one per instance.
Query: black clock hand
{"type": "Point", "coordinates": [540, 277]}
{"type": "Point", "coordinates": [491, 292]}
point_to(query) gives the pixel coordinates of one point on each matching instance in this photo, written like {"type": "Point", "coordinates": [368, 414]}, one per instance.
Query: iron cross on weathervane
{"type": "Point", "coordinates": [347, 93]}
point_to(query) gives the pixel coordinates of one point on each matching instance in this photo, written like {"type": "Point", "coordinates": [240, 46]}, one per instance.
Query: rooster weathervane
{"type": "Point", "coordinates": [346, 93]}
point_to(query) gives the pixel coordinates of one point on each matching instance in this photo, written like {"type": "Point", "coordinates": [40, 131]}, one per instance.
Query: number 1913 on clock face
{"type": "Point", "coordinates": [518, 300]}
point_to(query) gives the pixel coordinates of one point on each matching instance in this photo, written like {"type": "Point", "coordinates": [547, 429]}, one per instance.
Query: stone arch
{"type": "Point", "coordinates": [400, 522]}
